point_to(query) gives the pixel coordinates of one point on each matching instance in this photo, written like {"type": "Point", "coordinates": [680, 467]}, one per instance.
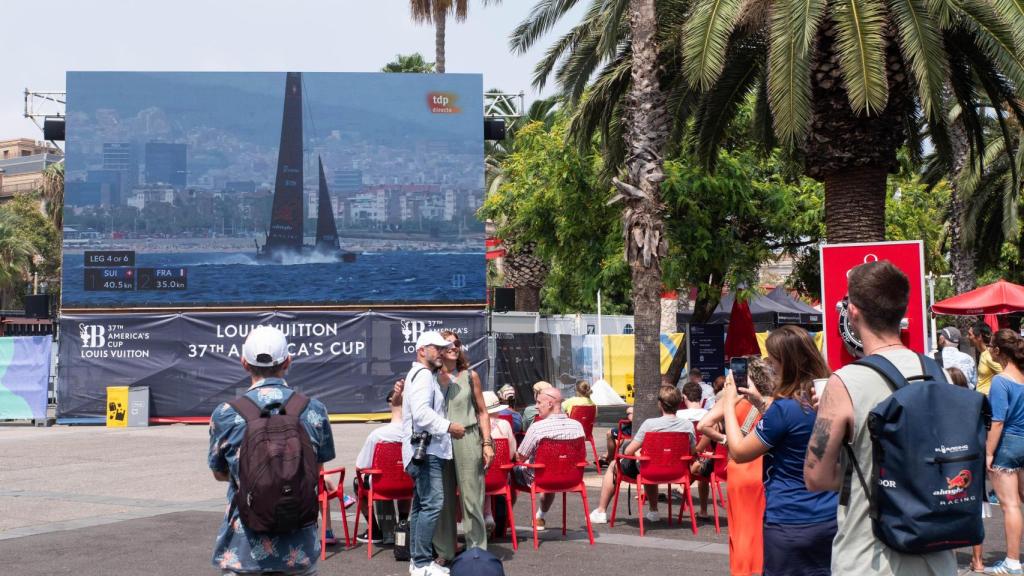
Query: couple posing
{"type": "Point", "coordinates": [442, 398]}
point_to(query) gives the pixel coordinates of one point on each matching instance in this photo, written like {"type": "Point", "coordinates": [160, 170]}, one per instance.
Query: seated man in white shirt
{"type": "Point", "coordinates": [390, 432]}
{"type": "Point", "coordinates": [691, 408]}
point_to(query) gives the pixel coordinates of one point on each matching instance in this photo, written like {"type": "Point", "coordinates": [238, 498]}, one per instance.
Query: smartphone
{"type": "Point", "coordinates": [738, 366]}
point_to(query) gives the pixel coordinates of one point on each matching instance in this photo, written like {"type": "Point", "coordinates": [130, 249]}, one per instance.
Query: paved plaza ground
{"type": "Point", "coordinates": [92, 500]}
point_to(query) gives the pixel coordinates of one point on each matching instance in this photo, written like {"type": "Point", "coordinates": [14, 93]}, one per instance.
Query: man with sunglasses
{"type": "Point", "coordinates": [551, 423]}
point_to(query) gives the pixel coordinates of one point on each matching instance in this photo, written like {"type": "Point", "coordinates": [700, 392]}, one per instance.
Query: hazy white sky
{"type": "Point", "coordinates": [47, 39]}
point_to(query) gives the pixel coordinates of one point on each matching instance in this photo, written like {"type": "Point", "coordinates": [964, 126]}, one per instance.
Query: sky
{"type": "Point", "coordinates": [246, 35]}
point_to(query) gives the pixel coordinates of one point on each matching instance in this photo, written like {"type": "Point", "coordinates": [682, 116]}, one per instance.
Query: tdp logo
{"type": "Point", "coordinates": [411, 330]}
{"type": "Point", "coordinates": [443, 102]}
{"type": "Point", "coordinates": [93, 335]}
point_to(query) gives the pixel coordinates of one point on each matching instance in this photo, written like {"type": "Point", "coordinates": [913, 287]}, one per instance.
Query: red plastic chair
{"type": "Point", "coordinates": [715, 479]}
{"type": "Point", "coordinates": [586, 415]}
{"type": "Point", "coordinates": [388, 481]}
{"type": "Point", "coordinates": [506, 418]}
{"type": "Point", "coordinates": [325, 496]}
{"type": "Point", "coordinates": [497, 483]}
{"type": "Point", "coordinates": [558, 468]}
{"type": "Point", "coordinates": [664, 459]}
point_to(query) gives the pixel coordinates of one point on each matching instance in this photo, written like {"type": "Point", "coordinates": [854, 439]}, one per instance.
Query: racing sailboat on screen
{"type": "Point", "coordinates": [284, 240]}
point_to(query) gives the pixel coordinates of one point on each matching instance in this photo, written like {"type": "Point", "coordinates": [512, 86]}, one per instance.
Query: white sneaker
{"type": "Point", "coordinates": [652, 516]}
{"type": "Point", "coordinates": [435, 569]}
{"type": "Point", "coordinates": [541, 526]}
{"type": "Point", "coordinates": [421, 571]}
{"type": "Point", "coordinates": [598, 517]}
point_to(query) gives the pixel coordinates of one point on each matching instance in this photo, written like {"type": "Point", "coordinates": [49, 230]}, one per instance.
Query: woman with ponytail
{"type": "Point", "coordinates": [582, 397]}
{"type": "Point", "coordinates": [1004, 449]}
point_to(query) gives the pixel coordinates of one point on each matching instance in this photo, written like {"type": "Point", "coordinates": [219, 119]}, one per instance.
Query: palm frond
{"type": "Point", "coordinates": [793, 25]}
{"type": "Point", "coordinates": [761, 128]}
{"type": "Point", "coordinates": [566, 44]}
{"type": "Point", "coordinates": [706, 36]}
{"type": "Point", "coordinates": [921, 43]}
{"type": "Point", "coordinates": [544, 15]}
{"type": "Point", "coordinates": [994, 36]}
{"type": "Point", "coordinates": [860, 44]}
{"type": "Point", "coordinates": [1012, 11]}
{"type": "Point", "coordinates": [616, 24]}
{"type": "Point", "coordinates": [579, 66]}
{"type": "Point", "coordinates": [718, 107]}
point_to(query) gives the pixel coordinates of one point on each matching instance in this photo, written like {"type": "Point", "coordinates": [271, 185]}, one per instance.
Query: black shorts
{"type": "Point", "coordinates": [798, 549]}
{"type": "Point", "coordinates": [629, 468]}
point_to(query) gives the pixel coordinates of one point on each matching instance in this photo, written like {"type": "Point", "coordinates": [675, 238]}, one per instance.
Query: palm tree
{"type": "Point", "coordinates": [436, 12]}
{"type": "Point", "coordinates": [637, 124]}
{"type": "Point", "coordinates": [52, 192]}
{"type": "Point", "coordinates": [841, 85]}
{"type": "Point", "coordinates": [410, 63]}
{"type": "Point", "coordinates": [844, 82]}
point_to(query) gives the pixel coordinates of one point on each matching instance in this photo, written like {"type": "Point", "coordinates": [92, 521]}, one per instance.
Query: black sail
{"type": "Point", "coordinates": [286, 216]}
{"type": "Point", "coordinates": [326, 230]}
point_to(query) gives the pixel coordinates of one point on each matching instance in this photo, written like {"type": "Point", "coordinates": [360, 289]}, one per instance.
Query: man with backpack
{"type": "Point", "coordinates": [911, 479]}
{"type": "Point", "coordinates": [269, 446]}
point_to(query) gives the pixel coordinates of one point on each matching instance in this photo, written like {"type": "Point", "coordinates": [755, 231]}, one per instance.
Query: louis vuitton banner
{"type": "Point", "coordinates": [192, 361]}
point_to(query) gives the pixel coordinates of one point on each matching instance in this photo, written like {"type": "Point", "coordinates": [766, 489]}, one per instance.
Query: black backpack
{"type": "Point", "coordinates": [928, 449]}
{"type": "Point", "coordinates": [278, 473]}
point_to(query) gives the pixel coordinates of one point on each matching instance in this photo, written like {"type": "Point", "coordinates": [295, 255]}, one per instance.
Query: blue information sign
{"type": "Point", "coordinates": [707, 350]}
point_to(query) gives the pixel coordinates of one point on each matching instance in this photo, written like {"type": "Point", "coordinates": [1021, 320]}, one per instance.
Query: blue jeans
{"type": "Point", "coordinates": [426, 508]}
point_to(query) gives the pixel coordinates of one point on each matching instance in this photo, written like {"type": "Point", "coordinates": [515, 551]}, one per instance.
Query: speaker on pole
{"type": "Point", "coordinates": [37, 306]}
{"type": "Point", "coordinates": [53, 128]}
{"type": "Point", "coordinates": [494, 128]}
{"type": "Point", "coordinates": [504, 299]}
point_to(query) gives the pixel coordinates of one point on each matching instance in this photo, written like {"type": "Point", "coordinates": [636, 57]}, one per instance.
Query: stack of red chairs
{"type": "Point", "coordinates": [388, 481]}
{"type": "Point", "coordinates": [664, 459]}
{"type": "Point", "coordinates": [558, 468]}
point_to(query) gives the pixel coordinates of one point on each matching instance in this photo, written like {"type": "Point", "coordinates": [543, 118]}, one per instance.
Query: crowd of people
{"type": "Point", "coordinates": [793, 505]}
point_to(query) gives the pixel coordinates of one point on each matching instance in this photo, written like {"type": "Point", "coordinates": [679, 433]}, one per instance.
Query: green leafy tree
{"type": "Point", "coordinates": [29, 244]}
{"type": "Point", "coordinates": [409, 63]}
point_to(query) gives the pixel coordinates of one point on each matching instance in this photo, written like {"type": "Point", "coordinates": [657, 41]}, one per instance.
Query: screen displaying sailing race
{"type": "Point", "coordinates": [197, 188]}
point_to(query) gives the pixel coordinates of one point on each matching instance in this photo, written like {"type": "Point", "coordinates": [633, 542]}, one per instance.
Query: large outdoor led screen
{"type": "Point", "coordinates": [196, 189]}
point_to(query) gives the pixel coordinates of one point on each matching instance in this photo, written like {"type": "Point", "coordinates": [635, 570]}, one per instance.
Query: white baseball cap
{"type": "Point", "coordinates": [432, 338]}
{"type": "Point", "coordinates": [266, 346]}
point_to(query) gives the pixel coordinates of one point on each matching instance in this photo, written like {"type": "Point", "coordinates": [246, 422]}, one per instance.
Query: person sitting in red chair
{"type": "Point", "coordinates": [668, 401]}
{"type": "Point", "coordinates": [552, 423]}
{"type": "Point", "coordinates": [390, 432]}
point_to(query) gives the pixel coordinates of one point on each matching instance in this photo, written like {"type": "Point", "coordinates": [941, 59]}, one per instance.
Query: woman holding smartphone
{"type": "Point", "coordinates": [798, 525]}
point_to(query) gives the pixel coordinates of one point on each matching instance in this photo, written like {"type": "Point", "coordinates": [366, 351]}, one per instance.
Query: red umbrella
{"type": "Point", "coordinates": [1000, 298]}
{"type": "Point", "coordinates": [741, 340]}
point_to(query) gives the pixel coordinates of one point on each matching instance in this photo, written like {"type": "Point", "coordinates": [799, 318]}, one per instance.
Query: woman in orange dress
{"type": "Point", "coordinates": [744, 483]}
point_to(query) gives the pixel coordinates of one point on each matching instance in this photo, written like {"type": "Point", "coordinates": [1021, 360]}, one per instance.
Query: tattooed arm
{"type": "Point", "coordinates": [832, 427]}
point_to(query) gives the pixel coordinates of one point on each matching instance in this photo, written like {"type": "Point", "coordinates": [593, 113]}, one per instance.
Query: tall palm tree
{"type": "Point", "coordinates": [52, 192]}
{"type": "Point", "coordinates": [844, 82]}
{"type": "Point", "coordinates": [436, 12]}
{"type": "Point", "coordinates": [637, 125]}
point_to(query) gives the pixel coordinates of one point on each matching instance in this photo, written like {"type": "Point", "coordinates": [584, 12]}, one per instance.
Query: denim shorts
{"type": "Point", "coordinates": [1009, 456]}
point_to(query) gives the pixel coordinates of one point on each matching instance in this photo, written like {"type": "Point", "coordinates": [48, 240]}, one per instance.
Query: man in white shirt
{"type": "Point", "coordinates": [423, 420]}
{"type": "Point", "coordinates": [707, 396]}
{"type": "Point", "coordinates": [952, 357]}
{"type": "Point", "coordinates": [691, 408]}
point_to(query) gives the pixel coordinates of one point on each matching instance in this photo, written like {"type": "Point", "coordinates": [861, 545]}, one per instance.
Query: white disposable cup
{"type": "Point", "coordinates": [819, 386]}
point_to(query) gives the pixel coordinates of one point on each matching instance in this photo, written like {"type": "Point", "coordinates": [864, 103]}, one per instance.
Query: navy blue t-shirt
{"type": "Point", "coordinates": [786, 429]}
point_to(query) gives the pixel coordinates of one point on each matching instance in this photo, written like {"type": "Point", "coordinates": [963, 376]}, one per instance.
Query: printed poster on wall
{"type": "Point", "coordinates": [24, 377]}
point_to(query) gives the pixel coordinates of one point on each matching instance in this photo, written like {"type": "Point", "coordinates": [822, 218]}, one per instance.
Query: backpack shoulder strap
{"type": "Point", "coordinates": [933, 369]}
{"type": "Point", "coordinates": [246, 407]}
{"type": "Point", "coordinates": [880, 364]}
{"type": "Point", "coordinates": [296, 404]}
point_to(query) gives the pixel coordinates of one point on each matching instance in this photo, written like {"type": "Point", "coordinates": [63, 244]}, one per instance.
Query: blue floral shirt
{"type": "Point", "coordinates": [237, 548]}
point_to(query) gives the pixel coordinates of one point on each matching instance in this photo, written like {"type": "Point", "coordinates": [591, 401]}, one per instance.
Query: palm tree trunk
{"type": "Point", "coordinates": [961, 258]}
{"type": "Point", "coordinates": [440, 21]}
{"type": "Point", "coordinates": [855, 204]}
{"type": "Point", "coordinates": [646, 135]}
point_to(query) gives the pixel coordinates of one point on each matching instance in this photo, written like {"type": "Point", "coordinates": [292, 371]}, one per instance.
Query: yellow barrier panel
{"type": "Point", "coordinates": [619, 359]}
{"type": "Point", "coordinates": [117, 406]}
